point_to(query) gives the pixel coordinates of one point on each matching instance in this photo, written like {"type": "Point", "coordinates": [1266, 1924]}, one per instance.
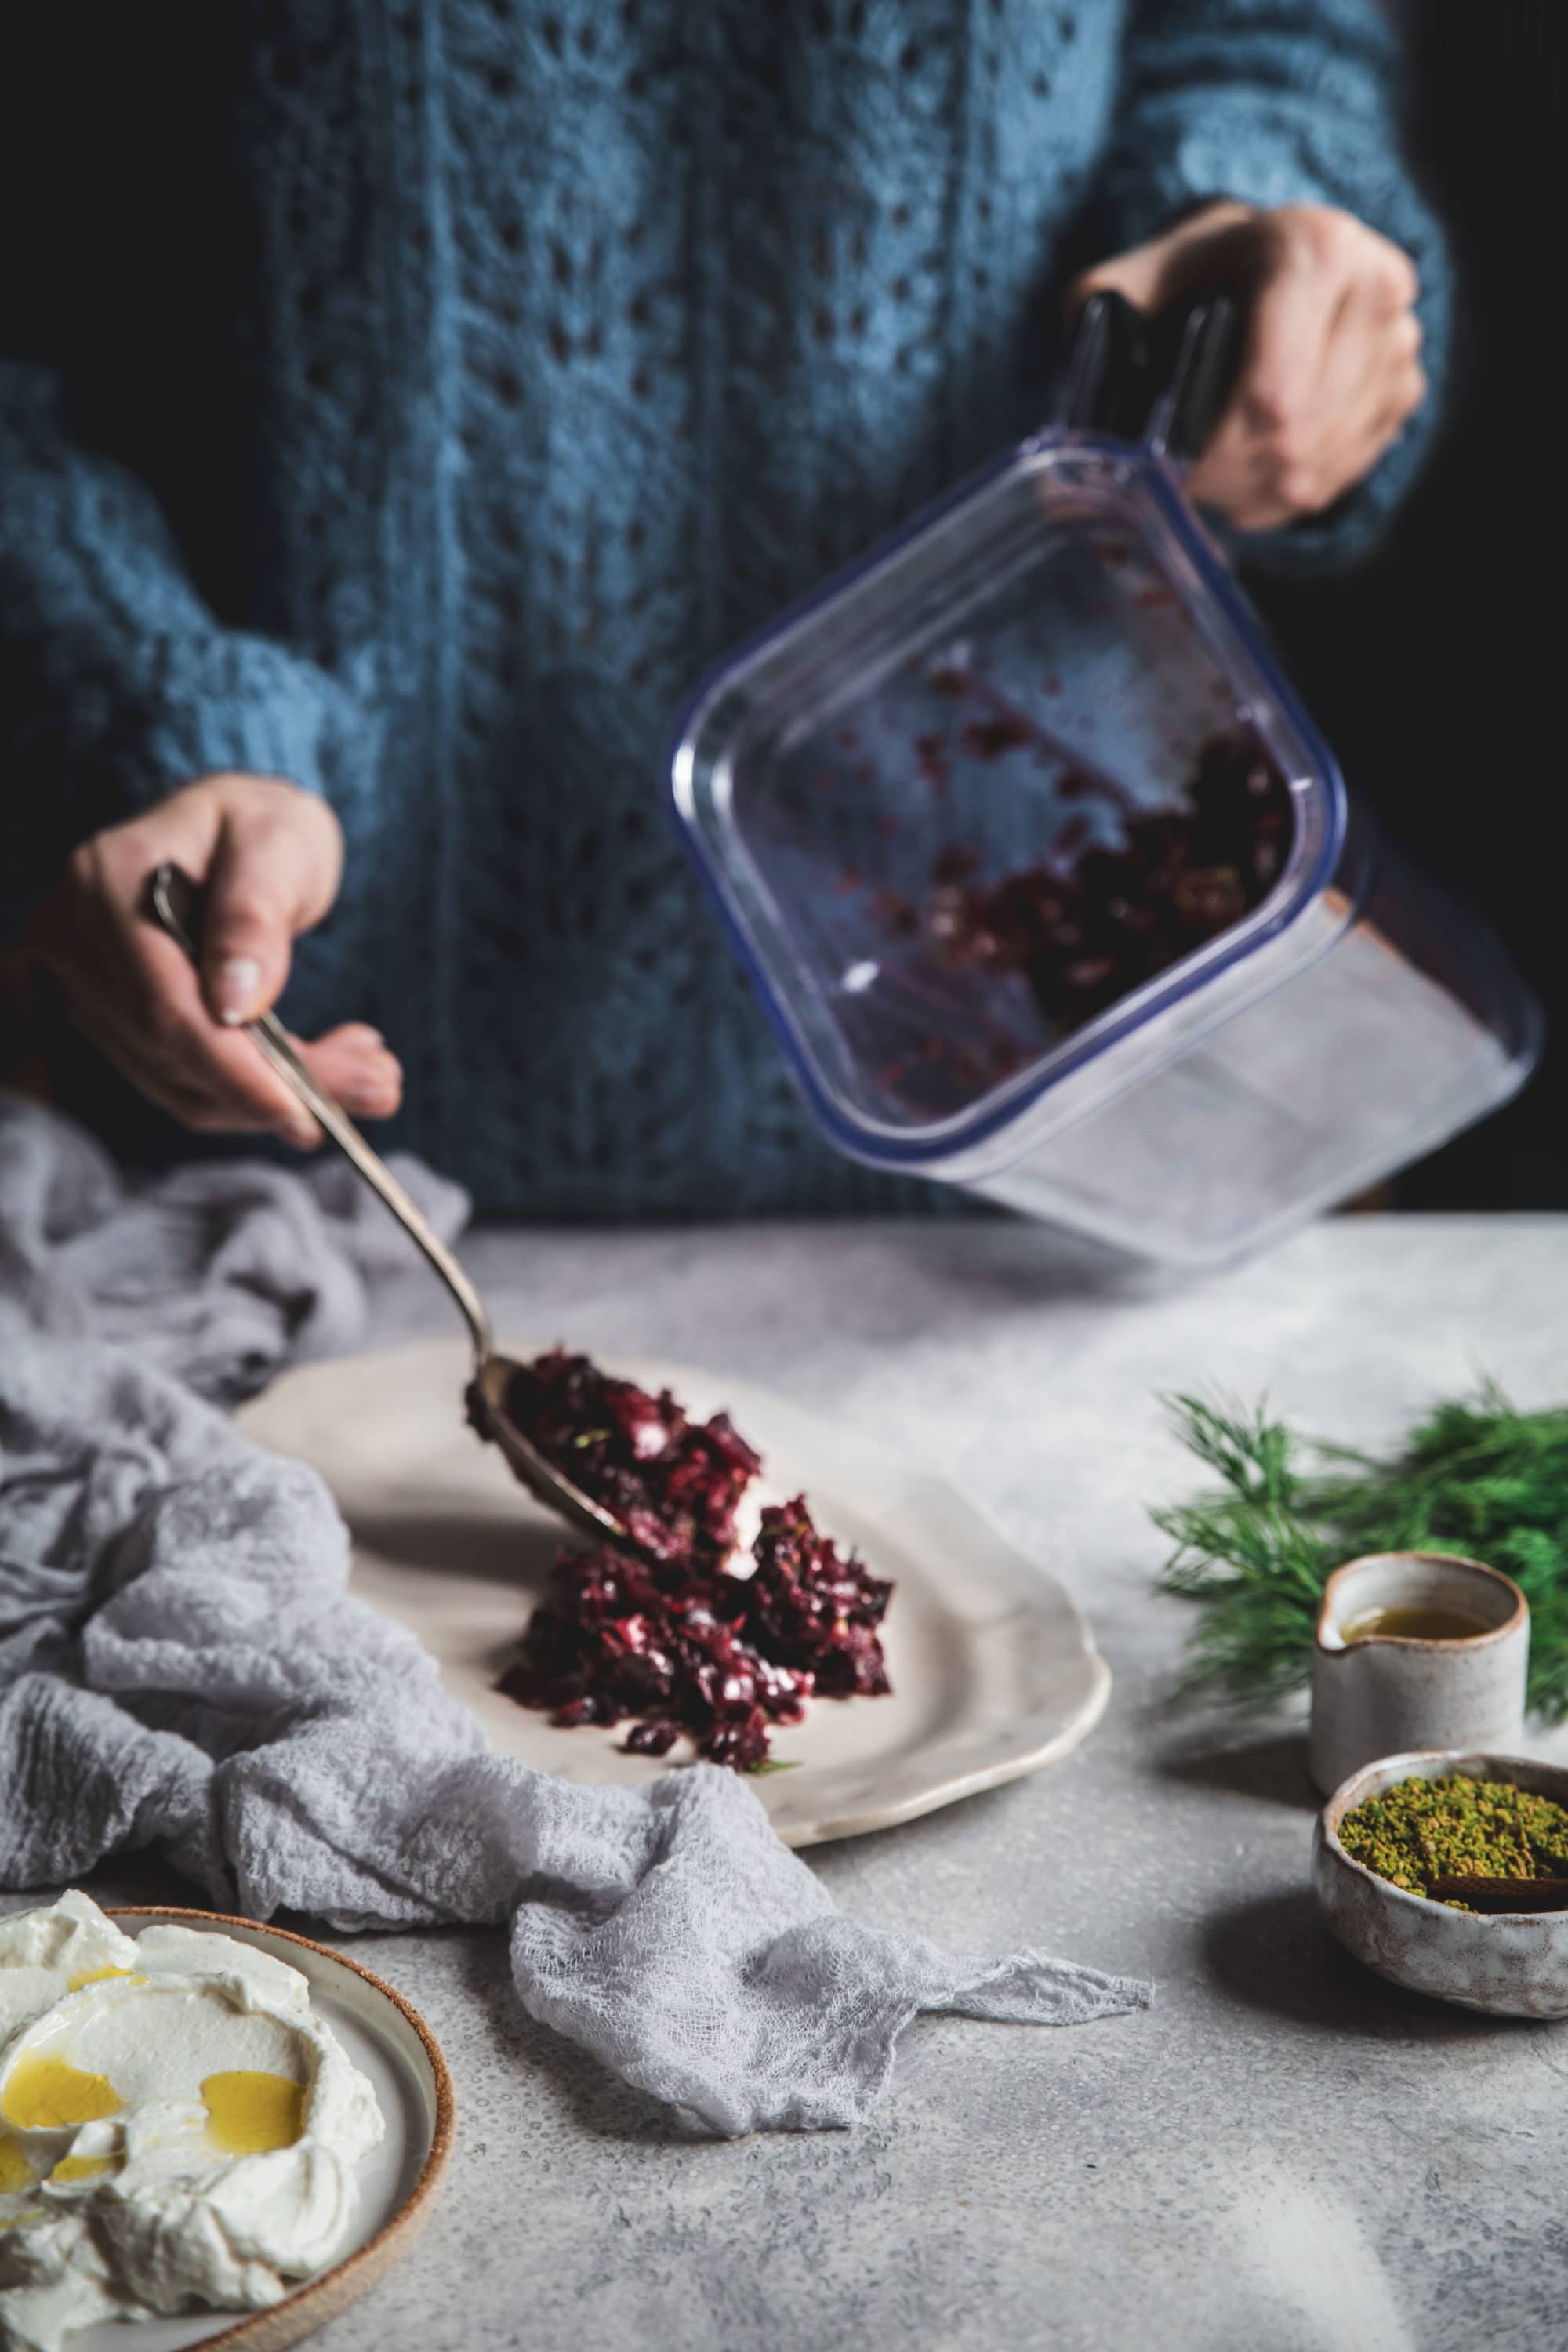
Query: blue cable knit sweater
{"type": "Point", "coordinates": [411, 398]}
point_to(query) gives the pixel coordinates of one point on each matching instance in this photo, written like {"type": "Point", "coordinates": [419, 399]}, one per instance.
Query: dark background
{"type": "Point", "coordinates": [1437, 668]}
{"type": "Point", "coordinates": [1436, 671]}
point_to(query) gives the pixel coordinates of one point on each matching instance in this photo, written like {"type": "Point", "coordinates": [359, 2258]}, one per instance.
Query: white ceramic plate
{"type": "Point", "coordinates": [994, 1673]}
{"type": "Point", "coordinates": [391, 2044]}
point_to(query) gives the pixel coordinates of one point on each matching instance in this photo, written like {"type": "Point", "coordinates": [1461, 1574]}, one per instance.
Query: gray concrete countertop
{"type": "Point", "coordinates": [1284, 2152]}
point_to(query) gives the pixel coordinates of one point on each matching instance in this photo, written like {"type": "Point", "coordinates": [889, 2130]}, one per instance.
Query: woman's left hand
{"type": "Point", "coordinates": [1330, 369]}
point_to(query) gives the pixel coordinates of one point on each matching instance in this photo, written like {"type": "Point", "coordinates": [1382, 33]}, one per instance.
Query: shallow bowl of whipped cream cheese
{"type": "Point", "coordinates": [218, 2132]}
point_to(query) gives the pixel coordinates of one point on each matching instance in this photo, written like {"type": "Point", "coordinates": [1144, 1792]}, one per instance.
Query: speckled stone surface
{"type": "Point", "coordinates": [1286, 2154]}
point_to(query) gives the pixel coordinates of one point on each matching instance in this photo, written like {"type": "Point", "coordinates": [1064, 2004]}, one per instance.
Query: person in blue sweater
{"type": "Point", "coordinates": [402, 405]}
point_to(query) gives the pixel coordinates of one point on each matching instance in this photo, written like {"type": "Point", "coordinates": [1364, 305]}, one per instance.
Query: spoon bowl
{"type": "Point", "coordinates": [490, 1415]}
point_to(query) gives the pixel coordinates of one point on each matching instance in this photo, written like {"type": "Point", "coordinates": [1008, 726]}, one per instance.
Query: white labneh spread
{"type": "Point", "coordinates": [177, 2129]}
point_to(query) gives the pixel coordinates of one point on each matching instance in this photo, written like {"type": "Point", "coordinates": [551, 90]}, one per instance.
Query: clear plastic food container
{"type": "Point", "coordinates": [1026, 683]}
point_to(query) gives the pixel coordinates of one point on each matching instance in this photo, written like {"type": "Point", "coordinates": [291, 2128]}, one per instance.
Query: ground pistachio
{"type": "Point", "coordinates": [1456, 1827]}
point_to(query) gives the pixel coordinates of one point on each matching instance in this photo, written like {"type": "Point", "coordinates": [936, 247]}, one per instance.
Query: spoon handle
{"type": "Point", "coordinates": [1501, 1894]}
{"type": "Point", "coordinates": [177, 904]}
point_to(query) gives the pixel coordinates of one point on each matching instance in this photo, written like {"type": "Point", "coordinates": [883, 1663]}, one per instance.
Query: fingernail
{"type": "Point", "coordinates": [234, 988]}
{"type": "Point", "coordinates": [301, 1131]}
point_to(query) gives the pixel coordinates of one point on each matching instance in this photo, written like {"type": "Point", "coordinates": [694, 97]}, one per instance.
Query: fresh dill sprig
{"type": "Point", "coordinates": [1477, 1477]}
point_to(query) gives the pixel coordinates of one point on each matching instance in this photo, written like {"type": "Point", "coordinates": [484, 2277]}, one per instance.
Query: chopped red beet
{"type": "Point", "coordinates": [895, 912]}
{"type": "Point", "coordinates": [672, 1483]}
{"type": "Point", "coordinates": [615, 1637]}
{"type": "Point", "coordinates": [814, 1611]}
{"type": "Point", "coordinates": [934, 765]}
{"type": "Point", "coordinates": [668, 1635]}
{"type": "Point", "coordinates": [956, 864]}
{"type": "Point", "coordinates": [1093, 924]}
{"type": "Point", "coordinates": [653, 1739]}
{"type": "Point", "coordinates": [987, 738]}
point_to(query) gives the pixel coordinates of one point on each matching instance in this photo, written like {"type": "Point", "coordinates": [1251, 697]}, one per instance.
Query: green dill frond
{"type": "Point", "coordinates": [1477, 1475]}
{"type": "Point", "coordinates": [1251, 1453]}
{"type": "Point", "coordinates": [1247, 1553]}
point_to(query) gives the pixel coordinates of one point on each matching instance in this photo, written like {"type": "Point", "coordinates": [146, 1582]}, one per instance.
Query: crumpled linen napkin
{"type": "Point", "coordinates": [219, 1273]}
{"type": "Point", "coordinates": [181, 1666]}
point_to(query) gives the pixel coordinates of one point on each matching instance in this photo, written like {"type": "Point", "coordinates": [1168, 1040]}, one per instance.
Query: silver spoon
{"type": "Point", "coordinates": [176, 902]}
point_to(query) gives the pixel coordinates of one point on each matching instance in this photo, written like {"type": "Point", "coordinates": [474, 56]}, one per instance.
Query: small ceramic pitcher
{"type": "Point", "coordinates": [1385, 1694]}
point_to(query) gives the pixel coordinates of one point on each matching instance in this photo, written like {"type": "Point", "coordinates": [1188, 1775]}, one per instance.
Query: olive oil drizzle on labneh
{"type": "Point", "coordinates": [1412, 1624]}
{"type": "Point", "coordinates": [44, 2094]}
{"type": "Point", "coordinates": [251, 2114]}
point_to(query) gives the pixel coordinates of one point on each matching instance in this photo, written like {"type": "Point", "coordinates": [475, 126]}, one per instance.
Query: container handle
{"type": "Point", "coordinates": [1159, 380]}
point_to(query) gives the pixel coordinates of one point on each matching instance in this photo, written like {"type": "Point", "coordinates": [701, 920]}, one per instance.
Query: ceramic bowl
{"type": "Point", "coordinates": [397, 2183]}
{"type": "Point", "coordinates": [1511, 1963]}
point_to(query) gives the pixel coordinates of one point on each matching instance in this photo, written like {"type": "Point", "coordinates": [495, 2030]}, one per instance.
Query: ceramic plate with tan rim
{"type": "Point", "coordinates": [397, 2181]}
{"type": "Point", "coordinates": [994, 1672]}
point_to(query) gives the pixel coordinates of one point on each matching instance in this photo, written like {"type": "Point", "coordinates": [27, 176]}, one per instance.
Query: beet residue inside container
{"type": "Point", "coordinates": [667, 1633]}
{"type": "Point", "coordinates": [1088, 926]}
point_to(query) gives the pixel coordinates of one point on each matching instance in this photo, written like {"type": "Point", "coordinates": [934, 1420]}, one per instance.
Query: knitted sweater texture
{"type": "Point", "coordinates": [412, 399]}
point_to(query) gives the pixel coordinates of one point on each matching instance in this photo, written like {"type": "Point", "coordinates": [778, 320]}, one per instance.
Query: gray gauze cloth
{"type": "Point", "coordinates": [181, 1666]}
{"type": "Point", "coordinates": [220, 1273]}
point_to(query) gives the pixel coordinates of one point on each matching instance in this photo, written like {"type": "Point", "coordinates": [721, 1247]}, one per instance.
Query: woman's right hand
{"type": "Point", "coordinates": [271, 856]}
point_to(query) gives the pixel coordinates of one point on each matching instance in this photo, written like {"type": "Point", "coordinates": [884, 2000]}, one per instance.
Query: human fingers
{"type": "Point", "coordinates": [1331, 357]}
{"type": "Point", "coordinates": [212, 1081]}
{"type": "Point", "coordinates": [270, 854]}
{"type": "Point", "coordinates": [1216, 246]}
{"type": "Point", "coordinates": [355, 1063]}
{"type": "Point", "coordinates": [1267, 472]}
{"type": "Point", "coordinates": [1372, 382]}
{"type": "Point", "coordinates": [274, 872]}
{"type": "Point", "coordinates": [351, 1063]}
{"type": "Point", "coordinates": [1266, 441]}
{"type": "Point", "coordinates": [131, 989]}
